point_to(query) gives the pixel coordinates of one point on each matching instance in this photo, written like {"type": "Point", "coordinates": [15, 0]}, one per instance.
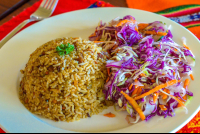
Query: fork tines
{"type": "Point", "coordinates": [48, 4]}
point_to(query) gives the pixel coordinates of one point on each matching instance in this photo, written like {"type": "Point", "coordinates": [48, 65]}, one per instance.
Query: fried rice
{"type": "Point", "coordinates": [64, 88]}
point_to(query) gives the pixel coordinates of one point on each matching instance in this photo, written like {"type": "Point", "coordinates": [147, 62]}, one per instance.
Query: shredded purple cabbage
{"type": "Point", "coordinates": [142, 60]}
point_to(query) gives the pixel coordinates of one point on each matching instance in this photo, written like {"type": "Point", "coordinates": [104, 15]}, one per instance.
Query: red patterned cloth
{"type": "Point", "coordinates": [62, 7]}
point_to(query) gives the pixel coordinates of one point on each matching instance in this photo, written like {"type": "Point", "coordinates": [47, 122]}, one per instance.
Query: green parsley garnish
{"type": "Point", "coordinates": [64, 49]}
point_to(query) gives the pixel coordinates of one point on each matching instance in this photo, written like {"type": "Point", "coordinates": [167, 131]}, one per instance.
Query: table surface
{"type": "Point", "coordinates": [6, 4]}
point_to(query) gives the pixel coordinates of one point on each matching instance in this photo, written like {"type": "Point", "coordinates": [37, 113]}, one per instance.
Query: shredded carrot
{"type": "Point", "coordinates": [174, 73]}
{"type": "Point", "coordinates": [136, 29]}
{"type": "Point", "coordinates": [98, 41]}
{"type": "Point", "coordinates": [139, 91]}
{"type": "Point", "coordinates": [164, 95]}
{"type": "Point", "coordinates": [179, 101]}
{"type": "Point", "coordinates": [175, 49]}
{"type": "Point", "coordinates": [191, 76]}
{"type": "Point", "coordinates": [124, 107]}
{"type": "Point", "coordinates": [110, 115]}
{"type": "Point", "coordinates": [130, 87]}
{"type": "Point", "coordinates": [135, 105]}
{"type": "Point", "coordinates": [158, 45]}
{"type": "Point", "coordinates": [162, 107]}
{"type": "Point", "coordinates": [155, 97]}
{"type": "Point", "coordinates": [156, 33]}
{"type": "Point", "coordinates": [142, 74]}
{"type": "Point", "coordinates": [135, 91]}
{"type": "Point", "coordinates": [169, 83]}
{"type": "Point", "coordinates": [125, 21]}
{"type": "Point", "coordinates": [153, 81]}
{"type": "Point", "coordinates": [94, 34]}
{"type": "Point", "coordinates": [186, 47]}
{"type": "Point", "coordinates": [117, 51]}
{"type": "Point", "coordinates": [186, 83]}
{"type": "Point", "coordinates": [115, 47]}
{"type": "Point", "coordinates": [135, 82]}
{"type": "Point", "coordinates": [107, 79]}
{"type": "Point", "coordinates": [185, 98]}
{"type": "Point", "coordinates": [108, 69]}
{"type": "Point", "coordinates": [142, 26]}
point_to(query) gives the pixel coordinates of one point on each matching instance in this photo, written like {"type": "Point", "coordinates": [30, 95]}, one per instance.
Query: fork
{"type": "Point", "coordinates": [44, 11]}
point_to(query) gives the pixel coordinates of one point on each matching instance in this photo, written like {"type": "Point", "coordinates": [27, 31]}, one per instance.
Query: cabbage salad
{"type": "Point", "coordinates": [147, 71]}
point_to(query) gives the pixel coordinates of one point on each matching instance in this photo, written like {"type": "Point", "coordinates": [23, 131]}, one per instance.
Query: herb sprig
{"type": "Point", "coordinates": [64, 49]}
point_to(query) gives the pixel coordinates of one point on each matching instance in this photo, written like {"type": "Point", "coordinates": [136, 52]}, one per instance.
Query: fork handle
{"type": "Point", "coordinates": [13, 32]}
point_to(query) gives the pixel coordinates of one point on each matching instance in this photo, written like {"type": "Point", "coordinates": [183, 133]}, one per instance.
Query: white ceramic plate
{"type": "Point", "coordinates": [15, 54]}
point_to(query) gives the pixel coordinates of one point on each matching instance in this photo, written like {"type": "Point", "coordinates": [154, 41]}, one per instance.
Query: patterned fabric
{"type": "Point", "coordinates": [62, 7]}
{"type": "Point", "coordinates": [184, 12]}
{"type": "Point", "coordinates": [187, 15]}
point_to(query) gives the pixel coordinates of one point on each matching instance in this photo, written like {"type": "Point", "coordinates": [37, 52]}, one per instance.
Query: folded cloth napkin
{"type": "Point", "coordinates": [62, 7]}
{"type": "Point", "coordinates": [184, 12]}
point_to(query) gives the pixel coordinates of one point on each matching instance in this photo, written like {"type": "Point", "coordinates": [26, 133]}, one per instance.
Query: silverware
{"type": "Point", "coordinates": [44, 11]}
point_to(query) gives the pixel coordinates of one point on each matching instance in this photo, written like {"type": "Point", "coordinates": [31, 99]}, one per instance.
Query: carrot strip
{"type": "Point", "coordinates": [164, 95]}
{"type": "Point", "coordinates": [142, 74]}
{"type": "Point", "coordinates": [136, 29]}
{"type": "Point", "coordinates": [179, 101]}
{"type": "Point", "coordinates": [155, 97]}
{"type": "Point", "coordinates": [142, 26]}
{"type": "Point", "coordinates": [130, 87]}
{"type": "Point", "coordinates": [172, 82]}
{"type": "Point", "coordinates": [139, 91]}
{"type": "Point", "coordinates": [125, 21]}
{"type": "Point", "coordinates": [174, 73]}
{"type": "Point", "coordinates": [107, 79]}
{"type": "Point", "coordinates": [98, 41]}
{"type": "Point", "coordinates": [156, 33]}
{"type": "Point", "coordinates": [135, 91]}
{"type": "Point", "coordinates": [153, 81]}
{"type": "Point", "coordinates": [186, 47]}
{"type": "Point", "coordinates": [117, 51]}
{"type": "Point", "coordinates": [135, 105]}
{"type": "Point", "coordinates": [110, 115]}
{"type": "Point", "coordinates": [162, 107]}
{"type": "Point", "coordinates": [135, 82]}
{"type": "Point", "coordinates": [94, 34]}
{"type": "Point", "coordinates": [186, 83]}
{"type": "Point", "coordinates": [191, 76]}
{"type": "Point", "coordinates": [115, 47]}
{"type": "Point", "coordinates": [124, 107]}
{"type": "Point", "coordinates": [185, 98]}
{"type": "Point", "coordinates": [108, 69]}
